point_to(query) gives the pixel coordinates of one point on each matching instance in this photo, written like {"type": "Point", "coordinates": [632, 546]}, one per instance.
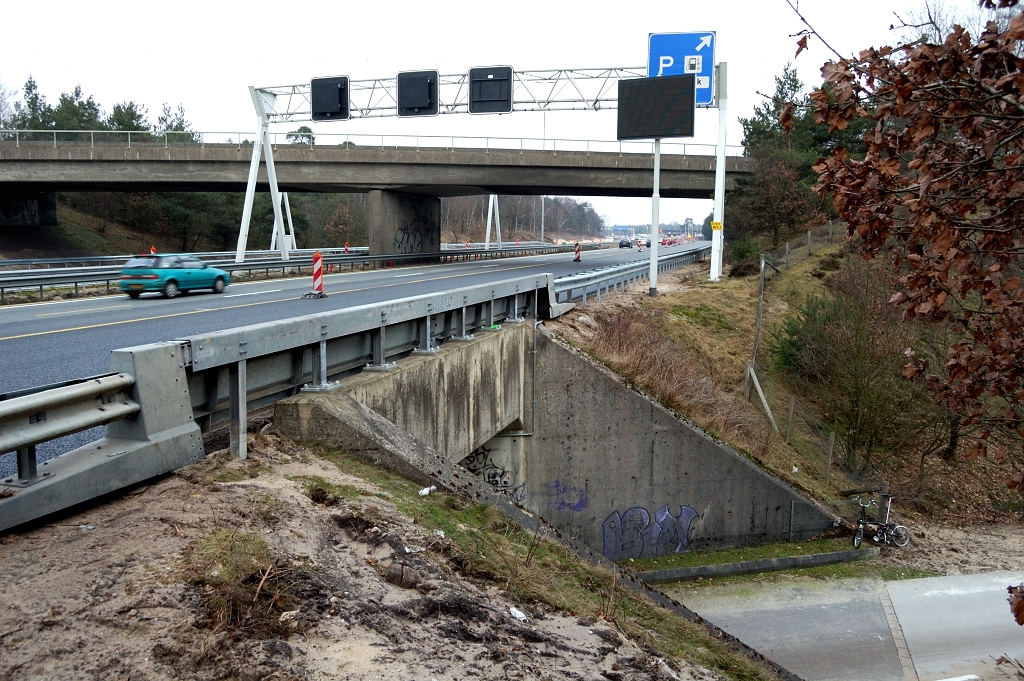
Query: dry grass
{"type": "Point", "coordinates": [689, 347]}
{"type": "Point", "coordinates": [631, 344]}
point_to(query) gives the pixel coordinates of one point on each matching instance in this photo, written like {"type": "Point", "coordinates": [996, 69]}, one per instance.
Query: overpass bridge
{"type": "Point", "coordinates": [587, 168]}
{"type": "Point", "coordinates": [404, 182]}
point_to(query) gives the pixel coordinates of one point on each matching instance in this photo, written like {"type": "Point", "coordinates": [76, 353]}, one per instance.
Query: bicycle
{"type": "Point", "coordinates": [886, 531]}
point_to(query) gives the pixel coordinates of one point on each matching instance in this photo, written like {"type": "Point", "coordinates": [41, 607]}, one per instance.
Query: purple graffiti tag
{"type": "Point", "coordinates": [562, 497]}
{"type": "Point", "coordinates": [633, 535]}
{"type": "Point", "coordinates": [675, 530]}
{"type": "Point", "coordinates": [623, 534]}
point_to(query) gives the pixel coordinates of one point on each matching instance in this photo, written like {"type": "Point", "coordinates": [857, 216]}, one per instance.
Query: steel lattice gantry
{"type": "Point", "coordinates": [554, 90]}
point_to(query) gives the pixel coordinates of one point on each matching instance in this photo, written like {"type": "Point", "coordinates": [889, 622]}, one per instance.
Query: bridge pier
{"type": "Point", "coordinates": [403, 223]}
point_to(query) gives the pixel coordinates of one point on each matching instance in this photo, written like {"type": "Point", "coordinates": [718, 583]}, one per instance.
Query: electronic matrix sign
{"type": "Point", "coordinates": [656, 108]}
{"type": "Point", "coordinates": [329, 98]}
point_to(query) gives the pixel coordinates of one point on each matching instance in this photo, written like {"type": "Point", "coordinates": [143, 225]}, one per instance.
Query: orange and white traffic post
{"type": "Point", "coordinates": [318, 277]}
{"type": "Point", "coordinates": [577, 258]}
{"type": "Point", "coordinates": [346, 248]}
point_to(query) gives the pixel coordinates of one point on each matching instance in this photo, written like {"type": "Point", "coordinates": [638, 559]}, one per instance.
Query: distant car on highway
{"type": "Point", "coordinates": [625, 243]}
{"type": "Point", "coordinates": [170, 275]}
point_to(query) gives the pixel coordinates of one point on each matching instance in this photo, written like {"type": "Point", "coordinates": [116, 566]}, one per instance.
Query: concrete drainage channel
{"type": "Point", "coordinates": [747, 567]}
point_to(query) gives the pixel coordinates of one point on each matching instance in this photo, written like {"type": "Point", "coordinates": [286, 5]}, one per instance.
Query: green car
{"type": "Point", "coordinates": [170, 275]}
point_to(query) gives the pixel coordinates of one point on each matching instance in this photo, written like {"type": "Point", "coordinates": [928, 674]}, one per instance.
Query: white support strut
{"type": "Point", "coordinates": [717, 239]}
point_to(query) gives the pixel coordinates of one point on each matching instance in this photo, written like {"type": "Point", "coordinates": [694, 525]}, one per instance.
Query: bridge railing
{"type": "Point", "coordinates": [299, 140]}
{"type": "Point", "coordinates": [160, 397]}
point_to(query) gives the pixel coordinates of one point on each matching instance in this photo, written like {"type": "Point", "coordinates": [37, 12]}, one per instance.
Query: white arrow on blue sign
{"type": "Point", "coordinates": [672, 54]}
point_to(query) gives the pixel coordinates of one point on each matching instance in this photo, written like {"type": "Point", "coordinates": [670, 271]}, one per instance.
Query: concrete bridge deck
{"type": "Point", "coordinates": [434, 172]}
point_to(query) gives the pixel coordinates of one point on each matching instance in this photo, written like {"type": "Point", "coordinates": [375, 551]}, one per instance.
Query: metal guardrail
{"type": "Point", "coordinates": [75, 276]}
{"type": "Point", "coordinates": [161, 396]}
{"type": "Point", "coordinates": [220, 256]}
{"type": "Point", "coordinates": [19, 264]}
{"type": "Point", "coordinates": [94, 138]}
{"type": "Point", "coordinates": [619, 277]}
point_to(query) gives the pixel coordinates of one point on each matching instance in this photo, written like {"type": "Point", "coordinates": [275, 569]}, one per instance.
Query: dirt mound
{"type": "Point", "coordinates": [227, 569]}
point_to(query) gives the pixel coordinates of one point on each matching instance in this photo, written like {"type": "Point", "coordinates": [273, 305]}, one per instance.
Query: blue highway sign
{"type": "Point", "coordinates": [671, 54]}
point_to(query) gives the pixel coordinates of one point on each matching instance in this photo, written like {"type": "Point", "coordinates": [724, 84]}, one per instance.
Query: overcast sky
{"type": "Point", "coordinates": [204, 55]}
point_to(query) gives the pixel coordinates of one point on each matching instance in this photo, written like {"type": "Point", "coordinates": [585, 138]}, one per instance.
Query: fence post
{"type": "Point", "coordinates": [828, 459]}
{"type": "Point", "coordinates": [787, 255]}
{"type": "Point", "coordinates": [830, 231]}
{"type": "Point", "coordinates": [746, 382]}
{"type": "Point", "coordinates": [789, 421]}
{"type": "Point", "coordinates": [808, 243]}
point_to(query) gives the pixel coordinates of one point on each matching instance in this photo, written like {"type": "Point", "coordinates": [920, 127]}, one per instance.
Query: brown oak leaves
{"type": "Point", "coordinates": [941, 187]}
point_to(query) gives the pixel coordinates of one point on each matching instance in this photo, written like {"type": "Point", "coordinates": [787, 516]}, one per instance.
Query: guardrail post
{"type": "Point", "coordinates": [239, 408]}
{"type": "Point", "coordinates": [320, 364]}
{"type": "Point", "coordinates": [27, 465]}
{"type": "Point", "coordinates": [462, 326]}
{"type": "Point", "coordinates": [379, 362]}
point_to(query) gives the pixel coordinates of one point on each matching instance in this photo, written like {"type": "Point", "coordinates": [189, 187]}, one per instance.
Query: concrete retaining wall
{"type": "Point", "coordinates": [629, 479]}
{"type": "Point", "coordinates": [453, 400]}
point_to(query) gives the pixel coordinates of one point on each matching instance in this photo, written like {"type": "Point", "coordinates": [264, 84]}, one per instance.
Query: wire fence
{"type": "Point", "coordinates": [796, 251]}
{"type": "Point", "coordinates": [804, 430]}
{"type": "Point", "coordinates": [796, 422]}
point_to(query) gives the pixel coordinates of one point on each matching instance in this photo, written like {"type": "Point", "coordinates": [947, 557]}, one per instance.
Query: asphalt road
{"type": "Point", "coordinates": [49, 342]}
{"type": "Point", "coordinates": [853, 630]}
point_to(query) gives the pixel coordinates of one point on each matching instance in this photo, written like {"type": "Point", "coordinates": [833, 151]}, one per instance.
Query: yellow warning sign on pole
{"type": "Point", "coordinates": [716, 225]}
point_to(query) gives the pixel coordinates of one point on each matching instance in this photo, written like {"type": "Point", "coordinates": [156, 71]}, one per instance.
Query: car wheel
{"type": "Point", "coordinates": [218, 285]}
{"type": "Point", "coordinates": [171, 289]}
{"type": "Point", "coordinates": [134, 294]}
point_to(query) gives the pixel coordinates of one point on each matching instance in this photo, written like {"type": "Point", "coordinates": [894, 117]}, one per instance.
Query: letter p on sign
{"type": "Point", "coordinates": [665, 62]}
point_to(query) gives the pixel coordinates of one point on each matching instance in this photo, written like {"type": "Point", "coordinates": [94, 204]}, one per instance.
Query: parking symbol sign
{"type": "Point", "coordinates": [671, 54]}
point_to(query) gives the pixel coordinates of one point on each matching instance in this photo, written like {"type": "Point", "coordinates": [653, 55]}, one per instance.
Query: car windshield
{"type": "Point", "coordinates": [147, 261]}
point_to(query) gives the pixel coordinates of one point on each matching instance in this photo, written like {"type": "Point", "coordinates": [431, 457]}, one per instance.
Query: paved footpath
{"type": "Point", "coordinates": [868, 630]}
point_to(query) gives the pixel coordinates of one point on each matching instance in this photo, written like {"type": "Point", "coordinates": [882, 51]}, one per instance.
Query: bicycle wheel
{"type": "Point", "coordinates": [858, 537]}
{"type": "Point", "coordinates": [900, 535]}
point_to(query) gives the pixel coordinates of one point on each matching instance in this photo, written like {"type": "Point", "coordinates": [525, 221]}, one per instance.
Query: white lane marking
{"type": "Point", "coordinates": [399, 276]}
{"type": "Point", "coordinates": [88, 309]}
{"type": "Point", "coordinates": [253, 293]}
{"type": "Point", "coordinates": [969, 677]}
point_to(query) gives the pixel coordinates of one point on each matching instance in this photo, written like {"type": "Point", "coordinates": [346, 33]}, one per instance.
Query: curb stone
{"type": "Point", "coordinates": [752, 566]}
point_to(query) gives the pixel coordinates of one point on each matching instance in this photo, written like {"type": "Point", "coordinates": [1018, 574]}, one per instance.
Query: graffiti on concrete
{"type": "Point", "coordinates": [633, 535]}
{"type": "Point", "coordinates": [408, 241]}
{"type": "Point", "coordinates": [563, 497]}
{"type": "Point", "coordinates": [19, 213]}
{"type": "Point", "coordinates": [480, 462]}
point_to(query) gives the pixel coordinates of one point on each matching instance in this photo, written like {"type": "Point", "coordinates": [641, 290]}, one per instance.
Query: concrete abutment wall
{"type": "Point", "coordinates": [603, 463]}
